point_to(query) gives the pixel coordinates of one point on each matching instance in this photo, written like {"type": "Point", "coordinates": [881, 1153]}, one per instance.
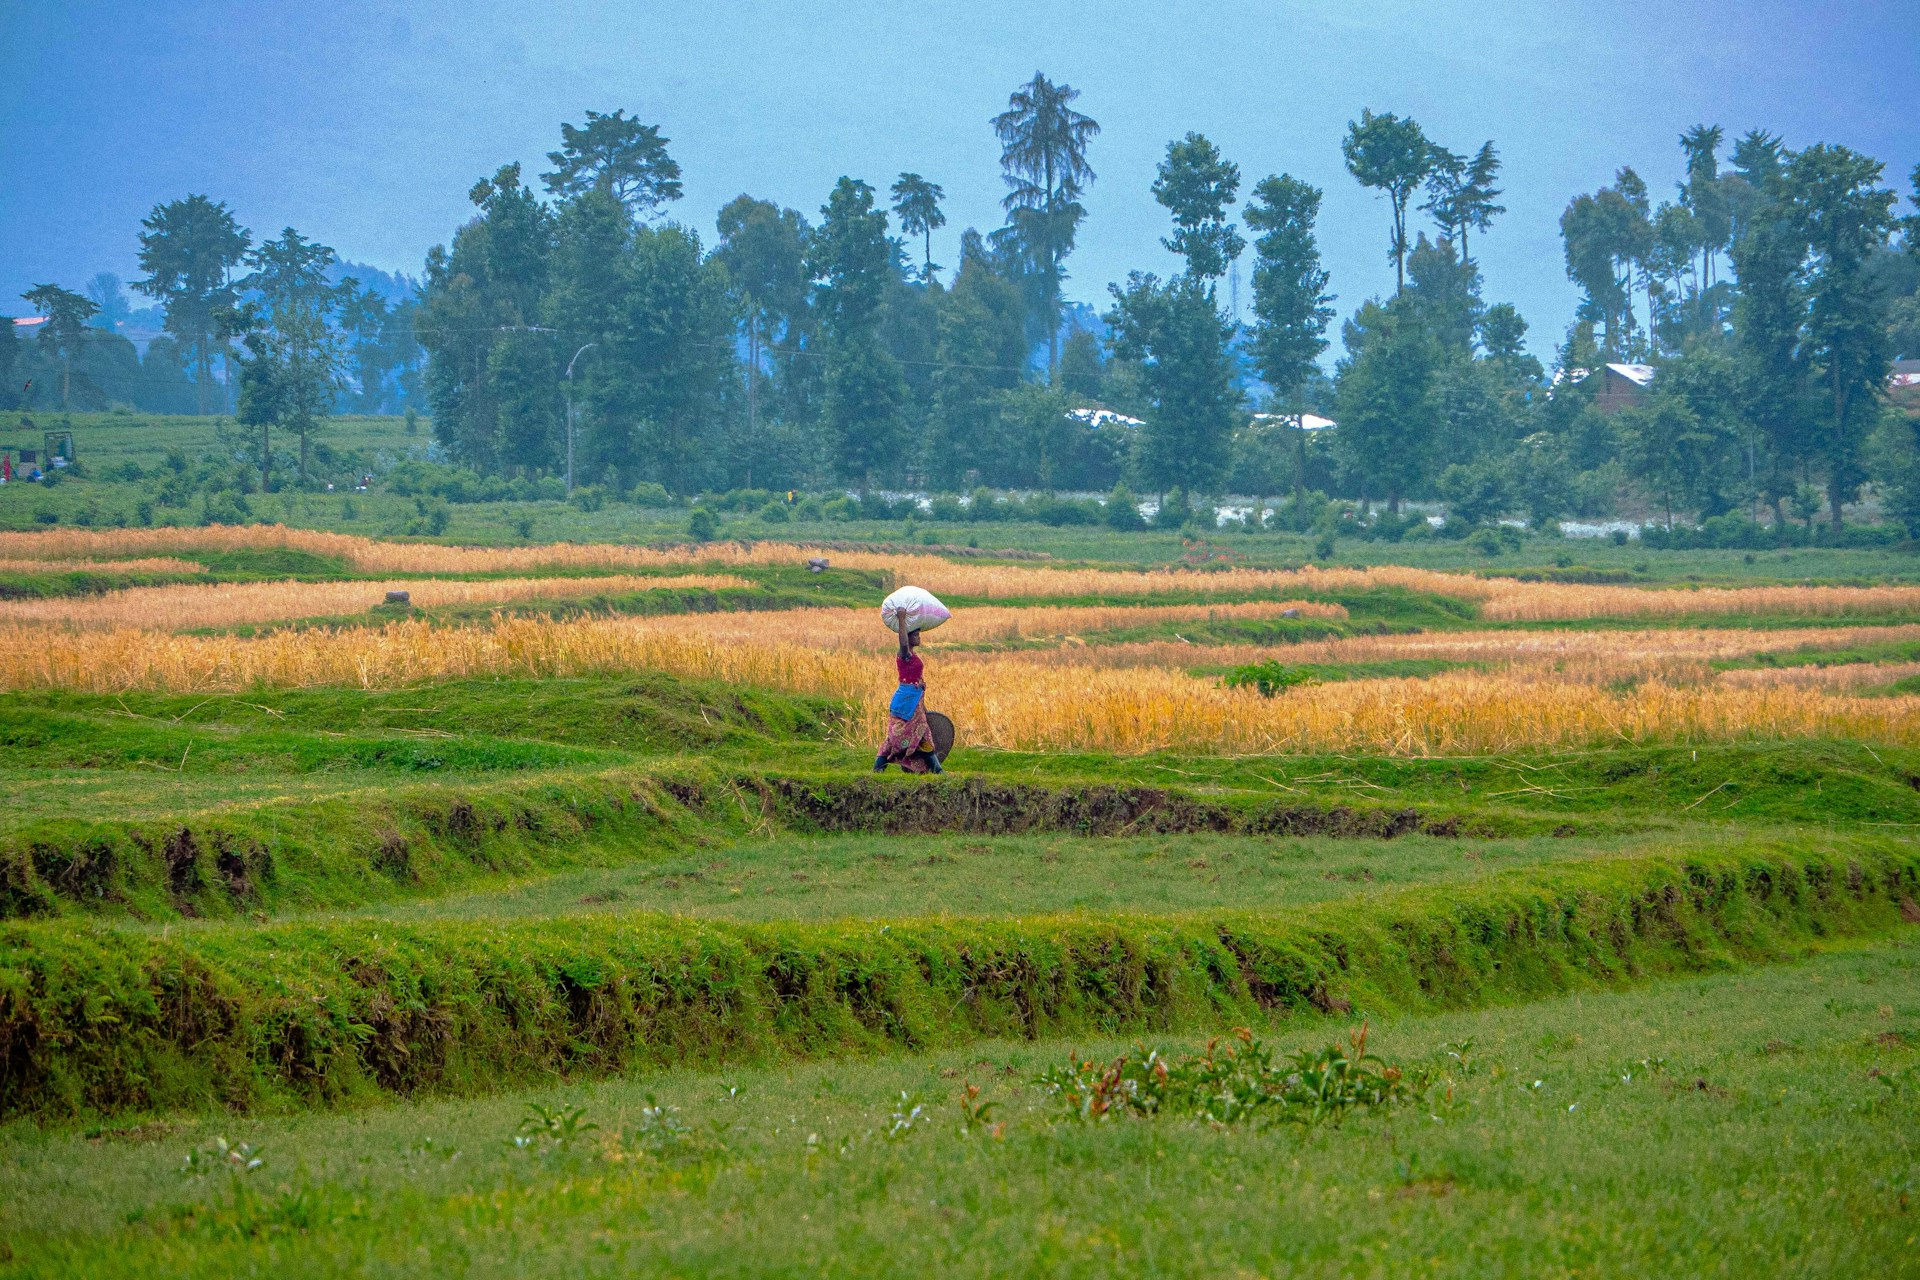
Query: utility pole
{"type": "Point", "coordinates": [576, 359]}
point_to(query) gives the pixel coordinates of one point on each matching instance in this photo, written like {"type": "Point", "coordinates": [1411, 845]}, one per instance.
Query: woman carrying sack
{"type": "Point", "coordinates": [909, 742]}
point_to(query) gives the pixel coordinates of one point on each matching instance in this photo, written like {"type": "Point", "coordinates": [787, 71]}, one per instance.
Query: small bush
{"type": "Point", "coordinates": [649, 493]}
{"type": "Point", "coordinates": [947, 507]}
{"type": "Point", "coordinates": [1268, 677]}
{"type": "Point", "coordinates": [702, 526]}
{"type": "Point", "coordinates": [1122, 511]}
{"type": "Point", "coordinates": [1237, 1084]}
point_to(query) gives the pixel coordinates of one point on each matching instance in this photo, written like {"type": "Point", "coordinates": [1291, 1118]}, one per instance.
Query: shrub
{"type": "Point", "coordinates": [431, 519]}
{"type": "Point", "coordinates": [1122, 511]}
{"type": "Point", "coordinates": [947, 507]}
{"type": "Point", "coordinates": [650, 493]}
{"type": "Point", "coordinates": [1175, 509]}
{"type": "Point", "coordinates": [984, 504]}
{"type": "Point", "coordinates": [1268, 677]}
{"type": "Point", "coordinates": [775, 512]}
{"type": "Point", "coordinates": [702, 526]}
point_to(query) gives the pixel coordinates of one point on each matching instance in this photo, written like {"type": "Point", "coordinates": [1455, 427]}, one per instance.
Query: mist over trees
{"type": "Point", "coordinates": [1729, 354]}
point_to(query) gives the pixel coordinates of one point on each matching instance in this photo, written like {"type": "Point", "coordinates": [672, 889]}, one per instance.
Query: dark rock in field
{"type": "Point", "coordinates": [399, 597]}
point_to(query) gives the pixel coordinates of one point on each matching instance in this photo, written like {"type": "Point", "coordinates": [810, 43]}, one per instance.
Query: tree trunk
{"type": "Point", "coordinates": [1835, 489]}
{"type": "Point", "coordinates": [753, 394]}
{"type": "Point", "coordinates": [1399, 248]}
{"type": "Point", "coordinates": [203, 367]}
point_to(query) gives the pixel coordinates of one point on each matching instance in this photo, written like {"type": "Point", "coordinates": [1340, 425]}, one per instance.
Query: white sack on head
{"type": "Point", "coordinates": [921, 608]}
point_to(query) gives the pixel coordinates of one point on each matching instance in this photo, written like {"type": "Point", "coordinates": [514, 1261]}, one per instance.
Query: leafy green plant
{"type": "Point", "coordinates": [976, 1114]}
{"type": "Point", "coordinates": [1242, 1081]}
{"type": "Point", "coordinates": [909, 1114]}
{"type": "Point", "coordinates": [1268, 677]}
{"type": "Point", "coordinates": [660, 1131]}
{"type": "Point", "coordinates": [235, 1158]}
{"type": "Point", "coordinates": [552, 1128]}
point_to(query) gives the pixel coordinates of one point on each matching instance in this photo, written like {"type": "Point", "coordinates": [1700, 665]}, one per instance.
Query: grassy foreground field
{"type": "Point", "coordinates": [1757, 1122]}
{"type": "Point", "coordinates": [1621, 879]}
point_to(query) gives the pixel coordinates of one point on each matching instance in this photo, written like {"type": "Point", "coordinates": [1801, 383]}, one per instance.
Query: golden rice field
{"type": "Point", "coordinates": [1499, 599]}
{"type": "Point", "coordinates": [1048, 691]}
{"type": "Point", "coordinates": [1590, 657]}
{"type": "Point", "coordinates": [231, 604]}
{"type": "Point", "coordinates": [1004, 700]}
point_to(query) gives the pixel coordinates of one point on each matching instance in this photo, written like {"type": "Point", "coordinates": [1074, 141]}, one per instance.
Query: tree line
{"type": "Point", "coordinates": [574, 328]}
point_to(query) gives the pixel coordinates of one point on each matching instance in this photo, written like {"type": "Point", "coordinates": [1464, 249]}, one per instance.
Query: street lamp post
{"type": "Point", "coordinates": [576, 359]}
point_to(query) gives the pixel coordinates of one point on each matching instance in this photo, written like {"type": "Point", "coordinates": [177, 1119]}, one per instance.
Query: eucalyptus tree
{"type": "Point", "coordinates": [1043, 154]}
{"type": "Point", "coordinates": [1607, 235]}
{"type": "Point", "coordinates": [364, 319]}
{"type": "Point", "coordinates": [1844, 217]}
{"type": "Point", "coordinates": [850, 261]}
{"type": "Point", "coordinates": [64, 334]}
{"type": "Point", "coordinates": [492, 379]}
{"type": "Point", "coordinates": [1291, 305]}
{"type": "Point", "coordinates": [617, 154]}
{"type": "Point", "coordinates": [1196, 185]}
{"type": "Point", "coordinates": [1385, 404]}
{"type": "Point", "coordinates": [296, 348]}
{"type": "Point", "coordinates": [1461, 194]}
{"type": "Point", "coordinates": [763, 250]}
{"type": "Point", "coordinates": [1705, 197]}
{"type": "Point", "coordinates": [1175, 331]}
{"type": "Point", "coordinates": [1391, 155]}
{"type": "Point", "coordinates": [189, 249]}
{"type": "Point", "coordinates": [916, 202]}
{"type": "Point", "coordinates": [1767, 250]}
{"type": "Point", "coordinates": [980, 355]}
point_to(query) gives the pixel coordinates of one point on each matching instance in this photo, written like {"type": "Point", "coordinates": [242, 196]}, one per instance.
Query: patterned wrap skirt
{"type": "Point", "coordinates": [905, 738]}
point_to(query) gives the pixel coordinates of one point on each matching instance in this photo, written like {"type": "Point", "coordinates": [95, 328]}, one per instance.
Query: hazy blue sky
{"type": "Point", "coordinates": [364, 122]}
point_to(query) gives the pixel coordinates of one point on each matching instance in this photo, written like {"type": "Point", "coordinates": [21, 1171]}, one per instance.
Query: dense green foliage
{"type": "Point", "coordinates": [1728, 360]}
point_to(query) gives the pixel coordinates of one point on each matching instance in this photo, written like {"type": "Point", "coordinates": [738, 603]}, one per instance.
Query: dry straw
{"type": "Point", "coordinates": [148, 564]}
{"type": "Point", "coordinates": [1499, 599]}
{"type": "Point", "coordinates": [243, 603]}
